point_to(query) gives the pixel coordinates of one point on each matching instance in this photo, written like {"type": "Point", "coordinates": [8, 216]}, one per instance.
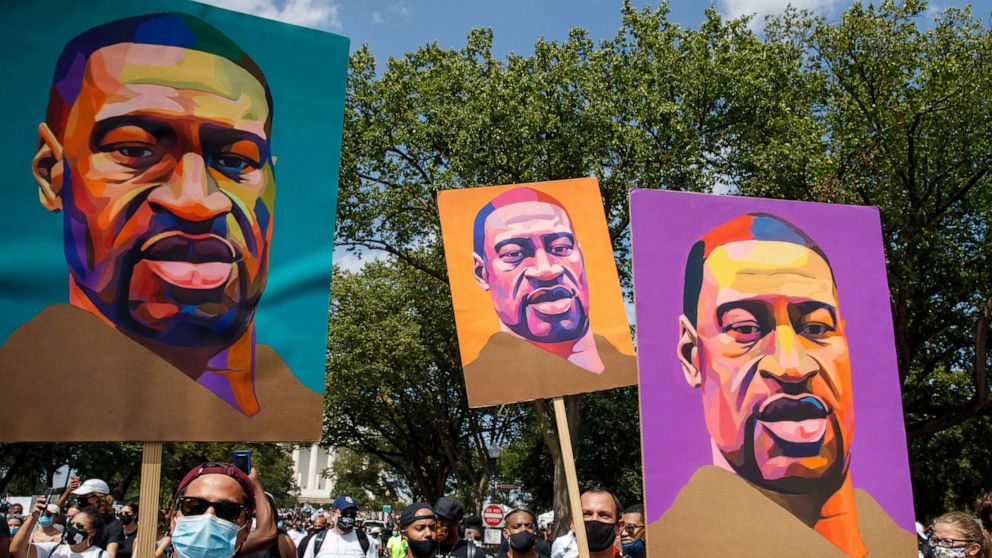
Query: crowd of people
{"type": "Point", "coordinates": [218, 511]}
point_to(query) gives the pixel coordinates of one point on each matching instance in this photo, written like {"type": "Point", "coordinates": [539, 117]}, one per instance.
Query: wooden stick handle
{"type": "Point", "coordinates": [571, 479]}
{"type": "Point", "coordinates": [151, 476]}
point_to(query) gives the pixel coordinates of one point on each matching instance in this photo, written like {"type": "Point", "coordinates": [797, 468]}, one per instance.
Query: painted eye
{"type": "Point", "coordinates": [512, 256]}
{"type": "Point", "coordinates": [562, 250]}
{"type": "Point", "coordinates": [743, 332]}
{"type": "Point", "coordinates": [815, 329]}
{"type": "Point", "coordinates": [230, 163]}
{"type": "Point", "coordinates": [131, 154]}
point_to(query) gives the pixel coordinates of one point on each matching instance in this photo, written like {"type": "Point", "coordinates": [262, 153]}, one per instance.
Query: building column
{"type": "Point", "coordinates": [297, 475]}
{"type": "Point", "coordinates": [312, 473]}
{"type": "Point", "coordinates": [330, 461]}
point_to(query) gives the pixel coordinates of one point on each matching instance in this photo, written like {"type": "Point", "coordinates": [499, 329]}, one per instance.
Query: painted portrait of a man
{"type": "Point", "coordinates": [763, 342]}
{"type": "Point", "coordinates": [531, 265]}
{"type": "Point", "coordinates": [156, 151]}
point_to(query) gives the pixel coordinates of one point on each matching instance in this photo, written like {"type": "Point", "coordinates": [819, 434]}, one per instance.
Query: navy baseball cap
{"type": "Point", "coordinates": [345, 503]}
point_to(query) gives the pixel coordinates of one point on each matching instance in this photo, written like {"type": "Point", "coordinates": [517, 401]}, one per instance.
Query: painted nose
{"type": "Point", "coordinates": [190, 193]}
{"type": "Point", "coordinates": [787, 361]}
{"type": "Point", "coordinates": [543, 269]}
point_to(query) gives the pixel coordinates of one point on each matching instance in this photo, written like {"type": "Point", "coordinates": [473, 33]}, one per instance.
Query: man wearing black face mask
{"type": "Point", "coordinates": [520, 536]}
{"type": "Point", "coordinates": [418, 524]}
{"type": "Point", "coordinates": [601, 515]}
{"type": "Point", "coordinates": [449, 522]}
{"type": "Point", "coordinates": [342, 540]}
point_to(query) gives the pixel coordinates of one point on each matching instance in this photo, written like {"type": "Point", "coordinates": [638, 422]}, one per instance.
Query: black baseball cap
{"type": "Point", "coordinates": [448, 508]}
{"type": "Point", "coordinates": [409, 514]}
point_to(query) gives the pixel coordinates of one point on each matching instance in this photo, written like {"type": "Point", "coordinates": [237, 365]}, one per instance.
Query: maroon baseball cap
{"type": "Point", "coordinates": [219, 468]}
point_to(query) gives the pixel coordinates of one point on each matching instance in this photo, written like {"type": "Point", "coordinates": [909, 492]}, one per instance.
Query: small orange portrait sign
{"type": "Point", "coordinates": [536, 295]}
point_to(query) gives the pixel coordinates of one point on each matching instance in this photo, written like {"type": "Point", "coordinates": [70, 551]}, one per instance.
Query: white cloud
{"type": "Point", "coordinates": [398, 12]}
{"type": "Point", "coordinates": [761, 8]}
{"type": "Point", "coordinates": [317, 14]}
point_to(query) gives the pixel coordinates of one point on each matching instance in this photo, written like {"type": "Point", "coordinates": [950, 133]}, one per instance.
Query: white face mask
{"type": "Point", "coordinates": [944, 552]}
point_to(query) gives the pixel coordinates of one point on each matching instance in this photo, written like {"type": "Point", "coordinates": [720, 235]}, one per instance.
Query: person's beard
{"type": "Point", "coordinates": [746, 466]}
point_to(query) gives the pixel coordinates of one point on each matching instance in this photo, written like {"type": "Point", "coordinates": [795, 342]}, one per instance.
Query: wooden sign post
{"type": "Point", "coordinates": [151, 476]}
{"type": "Point", "coordinates": [571, 479]}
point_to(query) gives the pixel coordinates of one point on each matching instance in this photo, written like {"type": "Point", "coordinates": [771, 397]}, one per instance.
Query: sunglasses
{"type": "Point", "coordinates": [191, 505]}
{"type": "Point", "coordinates": [79, 526]}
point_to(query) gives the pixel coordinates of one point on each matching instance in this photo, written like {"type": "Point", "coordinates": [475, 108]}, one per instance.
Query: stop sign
{"type": "Point", "coordinates": [492, 515]}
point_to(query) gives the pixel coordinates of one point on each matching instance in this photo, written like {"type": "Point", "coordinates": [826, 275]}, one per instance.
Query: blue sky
{"type": "Point", "coordinates": [394, 27]}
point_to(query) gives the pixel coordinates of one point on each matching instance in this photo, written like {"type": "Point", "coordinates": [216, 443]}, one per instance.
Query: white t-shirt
{"type": "Point", "coordinates": [296, 535]}
{"type": "Point", "coordinates": [565, 546]}
{"type": "Point", "coordinates": [338, 546]}
{"type": "Point", "coordinates": [59, 550]}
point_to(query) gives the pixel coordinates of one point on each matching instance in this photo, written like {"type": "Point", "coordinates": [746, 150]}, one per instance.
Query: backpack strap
{"type": "Point", "coordinates": [319, 540]}
{"type": "Point", "coordinates": [302, 549]}
{"type": "Point", "coordinates": [363, 539]}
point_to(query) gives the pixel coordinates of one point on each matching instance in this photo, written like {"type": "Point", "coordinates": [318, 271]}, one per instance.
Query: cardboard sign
{"type": "Point", "coordinates": [156, 285]}
{"type": "Point", "coordinates": [764, 335]}
{"type": "Point", "coordinates": [535, 291]}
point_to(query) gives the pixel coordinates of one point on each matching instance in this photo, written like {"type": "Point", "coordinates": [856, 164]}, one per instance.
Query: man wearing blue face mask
{"type": "Point", "coordinates": [213, 510]}
{"type": "Point", "coordinates": [341, 540]}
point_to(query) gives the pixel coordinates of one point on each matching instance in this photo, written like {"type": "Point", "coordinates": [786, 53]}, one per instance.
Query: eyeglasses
{"type": "Point", "coordinates": [949, 543]}
{"type": "Point", "coordinates": [632, 528]}
{"type": "Point", "coordinates": [191, 505]}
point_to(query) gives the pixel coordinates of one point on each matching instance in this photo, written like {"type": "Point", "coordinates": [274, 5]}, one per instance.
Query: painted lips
{"type": "Point", "coordinates": [798, 420]}
{"type": "Point", "coordinates": [191, 261]}
{"type": "Point", "coordinates": [551, 301]}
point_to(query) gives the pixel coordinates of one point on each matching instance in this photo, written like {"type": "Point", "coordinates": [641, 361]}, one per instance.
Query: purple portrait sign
{"type": "Point", "coordinates": [675, 438]}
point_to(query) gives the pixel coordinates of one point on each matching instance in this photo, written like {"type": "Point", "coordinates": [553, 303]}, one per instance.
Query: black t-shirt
{"type": "Point", "coordinates": [127, 544]}
{"type": "Point", "coordinates": [4, 530]}
{"type": "Point", "coordinates": [541, 545]}
{"type": "Point", "coordinates": [460, 550]}
{"type": "Point", "coordinates": [112, 532]}
{"type": "Point", "coordinates": [272, 551]}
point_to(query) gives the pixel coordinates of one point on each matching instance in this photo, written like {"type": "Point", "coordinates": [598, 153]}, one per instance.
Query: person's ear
{"type": "Point", "coordinates": [47, 169]}
{"type": "Point", "coordinates": [479, 271]}
{"type": "Point", "coordinates": [620, 525]}
{"type": "Point", "coordinates": [688, 349]}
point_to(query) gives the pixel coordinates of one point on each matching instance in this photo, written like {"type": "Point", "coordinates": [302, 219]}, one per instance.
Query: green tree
{"type": "Point", "coordinates": [394, 384]}
{"type": "Point", "coordinates": [365, 478]}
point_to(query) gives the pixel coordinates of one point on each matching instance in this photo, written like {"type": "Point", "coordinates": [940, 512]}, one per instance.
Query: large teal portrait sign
{"type": "Point", "coordinates": [169, 186]}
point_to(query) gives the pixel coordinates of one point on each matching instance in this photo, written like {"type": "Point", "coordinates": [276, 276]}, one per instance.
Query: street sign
{"type": "Point", "coordinates": [386, 508]}
{"type": "Point", "coordinates": [492, 515]}
{"type": "Point", "coordinates": [507, 486]}
{"type": "Point", "coordinates": [492, 536]}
